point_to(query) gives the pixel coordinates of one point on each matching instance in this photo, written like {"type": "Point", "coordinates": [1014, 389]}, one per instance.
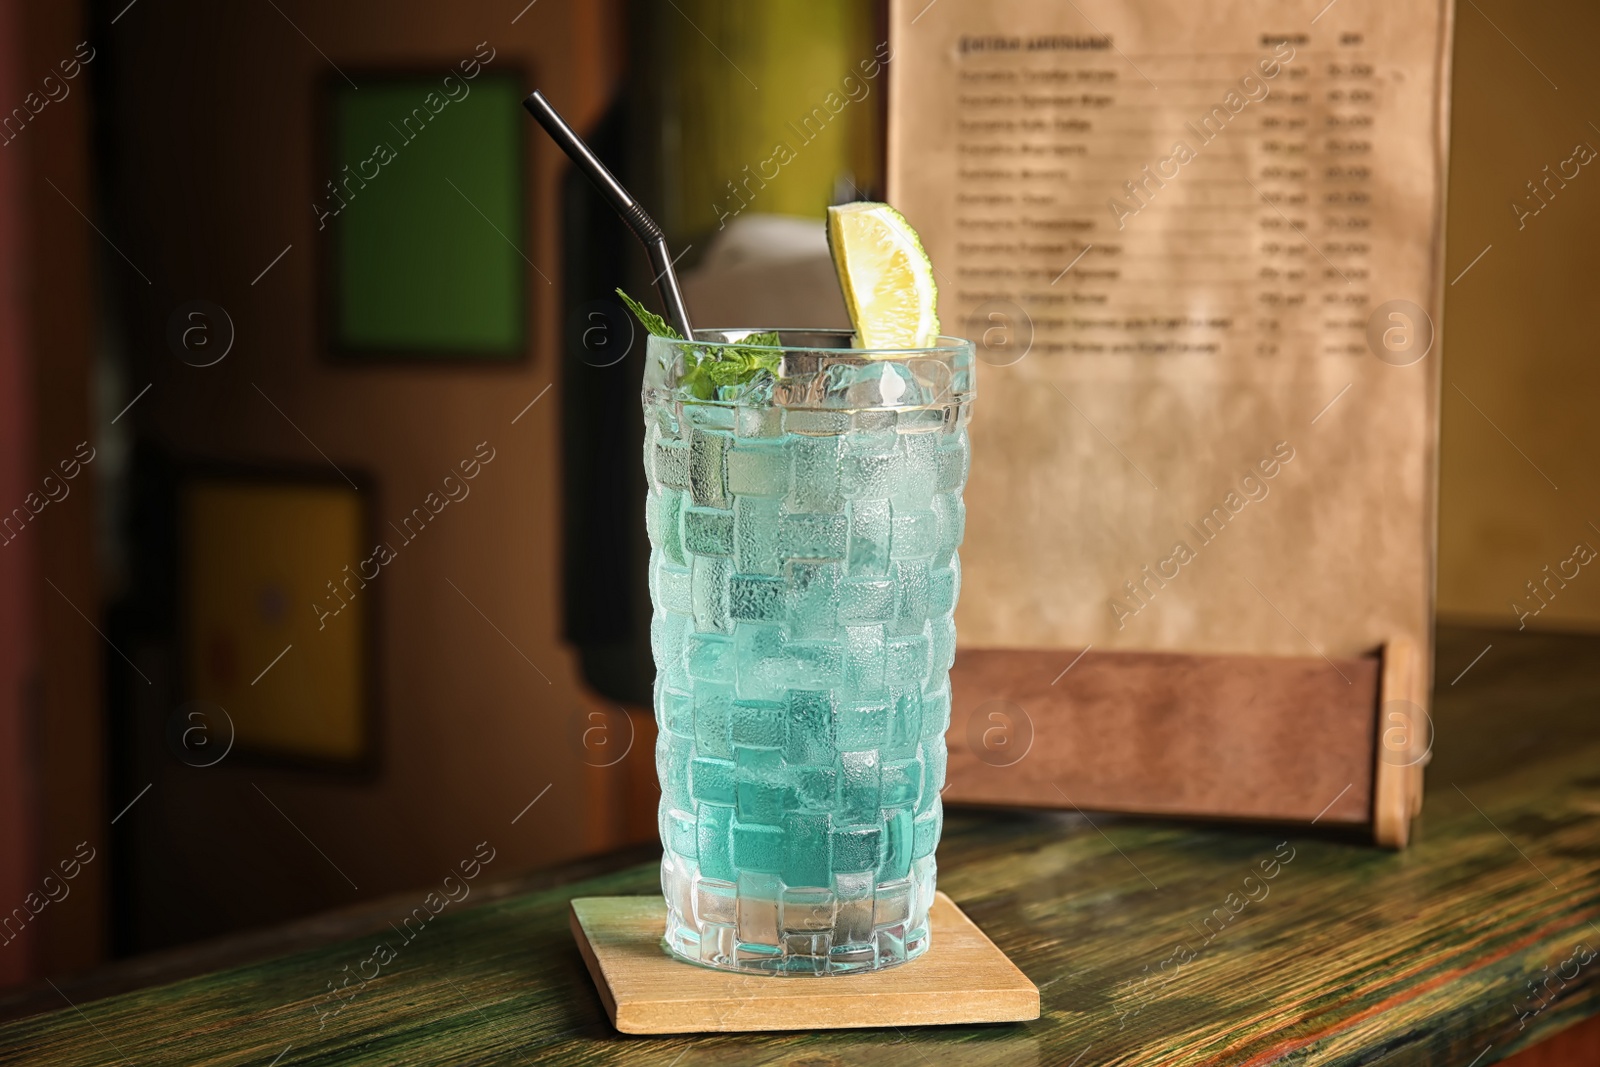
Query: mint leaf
{"type": "Point", "coordinates": [695, 380]}
{"type": "Point", "coordinates": [719, 377]}
{"type": "Point", "coordinates": [757, 352]}
{"type": "Point", "coordinates": [744, 363]}
{"type": "Point", "coordinates": [706, 374]}
{"type": "Point", "coordinates": [653, 323]}
{"type": "Point", "coordinates": [754, 351]}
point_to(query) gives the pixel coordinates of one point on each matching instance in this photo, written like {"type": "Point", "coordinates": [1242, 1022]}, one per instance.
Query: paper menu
{"type": "Point", "coordinates": [1216, 231]}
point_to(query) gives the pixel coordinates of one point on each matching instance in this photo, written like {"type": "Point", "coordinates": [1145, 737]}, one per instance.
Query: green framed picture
{"type": "Point", "coordinates": [422, 214]}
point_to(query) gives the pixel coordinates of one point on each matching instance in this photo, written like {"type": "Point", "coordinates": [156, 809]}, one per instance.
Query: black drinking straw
{"type": "Point", "coordinates": [642, 225]}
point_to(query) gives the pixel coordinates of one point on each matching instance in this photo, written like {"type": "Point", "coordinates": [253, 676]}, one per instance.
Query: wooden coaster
{"type": "Point", "coordinates": [962, 978]}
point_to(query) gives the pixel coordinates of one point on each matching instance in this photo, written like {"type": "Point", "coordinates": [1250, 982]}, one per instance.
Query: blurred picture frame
{"type": "Point", "coordinates": [420, 214]}
{"type": "Point", "coordinates": [276, 626]}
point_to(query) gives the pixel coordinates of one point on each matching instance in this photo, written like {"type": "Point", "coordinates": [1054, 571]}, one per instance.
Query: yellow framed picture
{"type": "Point", "coordinates": [276, 616]}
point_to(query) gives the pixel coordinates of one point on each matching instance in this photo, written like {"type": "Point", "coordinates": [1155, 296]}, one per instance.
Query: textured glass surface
{"type": "Point", "coordinates": [803, 573]}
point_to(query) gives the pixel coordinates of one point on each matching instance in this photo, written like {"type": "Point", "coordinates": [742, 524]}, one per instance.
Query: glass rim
{"type": "Point", "coordinates": [934, 378]}
{"type": "Point", "coordinates": [944, 345]}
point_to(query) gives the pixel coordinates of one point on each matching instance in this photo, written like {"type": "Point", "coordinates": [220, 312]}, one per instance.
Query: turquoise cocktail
{"type": "Point", "coordinates": [803, 572]}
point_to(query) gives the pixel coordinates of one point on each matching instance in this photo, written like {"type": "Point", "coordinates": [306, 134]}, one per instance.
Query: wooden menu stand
{"type": "Point", "coordinates": [1263, 738]}
{"type": "Point", "coordinates": [1205, 439]}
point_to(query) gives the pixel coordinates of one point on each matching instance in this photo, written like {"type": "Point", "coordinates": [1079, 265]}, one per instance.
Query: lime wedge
{"type": "Point", "coordinates": [886, 276]}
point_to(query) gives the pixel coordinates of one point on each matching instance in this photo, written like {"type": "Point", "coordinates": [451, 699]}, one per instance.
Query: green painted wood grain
{"type": "Point", "coordinates": [1352, 956]}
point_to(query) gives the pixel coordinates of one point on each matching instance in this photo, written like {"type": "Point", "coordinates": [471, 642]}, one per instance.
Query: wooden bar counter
{"type": "Point", "coordinates": [1151, 942]}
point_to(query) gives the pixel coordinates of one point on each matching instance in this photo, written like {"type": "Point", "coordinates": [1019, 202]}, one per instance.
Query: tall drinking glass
{"type": "Point", "coordinates": [803, 574]}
